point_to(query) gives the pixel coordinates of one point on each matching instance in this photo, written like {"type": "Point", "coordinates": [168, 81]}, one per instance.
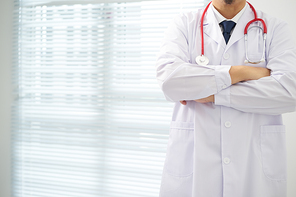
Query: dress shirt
{"type": "Point", "coordinates": [221, 18]}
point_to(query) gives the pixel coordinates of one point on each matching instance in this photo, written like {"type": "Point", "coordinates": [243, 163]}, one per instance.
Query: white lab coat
{"type": "Point", "coordinates": [234, 147]}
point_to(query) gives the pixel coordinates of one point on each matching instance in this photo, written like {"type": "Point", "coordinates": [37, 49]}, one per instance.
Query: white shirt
{"type": "Point", "coordinates": [221, 18]}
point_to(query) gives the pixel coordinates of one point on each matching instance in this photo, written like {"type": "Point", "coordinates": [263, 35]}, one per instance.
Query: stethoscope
{"type": "Point", "coordinates": [203, 60]}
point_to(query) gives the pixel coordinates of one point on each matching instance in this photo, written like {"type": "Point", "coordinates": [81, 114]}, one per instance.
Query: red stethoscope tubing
{"type": "Point", "coordinates": [245, 31]}
{"type": "Point", "coordinates": [201, 29]}
{"type": "Point", "coordinates": [254, 20]}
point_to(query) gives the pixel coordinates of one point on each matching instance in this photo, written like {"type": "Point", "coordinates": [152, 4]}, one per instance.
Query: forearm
{"type": "Point", "coordinates": [246, 73]}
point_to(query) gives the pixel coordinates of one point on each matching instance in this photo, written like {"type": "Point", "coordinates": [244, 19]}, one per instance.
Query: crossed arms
{"type": "Point", "coordinates": [238, 74]}
{"type": "Point", "coordinates": [269, 89]}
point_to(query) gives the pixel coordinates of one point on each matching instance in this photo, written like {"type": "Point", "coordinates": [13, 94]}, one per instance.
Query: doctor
{"type": "Point", "coordinates": [227, 138]}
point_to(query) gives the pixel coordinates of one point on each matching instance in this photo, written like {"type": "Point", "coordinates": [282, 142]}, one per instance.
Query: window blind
{"type": "Point", "coordinates": [89, 119]}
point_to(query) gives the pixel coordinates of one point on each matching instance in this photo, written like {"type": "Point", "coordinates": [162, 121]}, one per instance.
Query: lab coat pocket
{"type": "Point", "coordinates": [273, 148]}
{"type": "Point", "coordinates": [179, 158]}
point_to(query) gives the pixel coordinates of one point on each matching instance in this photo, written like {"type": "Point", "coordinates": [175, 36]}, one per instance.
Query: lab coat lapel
{"type": "Point", "coordinates": [212, 28]}
{"type": "Point", "coordinates": [238, 32]}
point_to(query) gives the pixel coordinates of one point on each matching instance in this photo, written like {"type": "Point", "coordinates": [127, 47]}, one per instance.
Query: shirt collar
{"type": "Point", "coordinates": [221, 18]}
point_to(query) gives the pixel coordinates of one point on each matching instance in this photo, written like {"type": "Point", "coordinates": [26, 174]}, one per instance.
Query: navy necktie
{"type": "Point", "coordinates": [227, 27]}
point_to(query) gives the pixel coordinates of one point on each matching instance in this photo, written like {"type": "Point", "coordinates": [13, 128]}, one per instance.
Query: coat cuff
{"type": "Point", "coordinates": [222, 75]}
{"type": "Point", "coordinates": [223, 97]}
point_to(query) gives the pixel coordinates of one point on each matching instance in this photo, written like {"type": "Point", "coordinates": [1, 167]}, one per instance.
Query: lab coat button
{"type": "Point", "coordinates": [226, 56]}
{"type": "Point", "coordinates": [227, 124]}
{"type": "Point", "coordinates": [224, 86]}
{"type": "Point", "coordinates": [226, 160]}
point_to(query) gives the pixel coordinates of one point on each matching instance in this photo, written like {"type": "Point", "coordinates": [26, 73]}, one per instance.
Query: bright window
{"type": "Point", "coordinates": [89, 119]}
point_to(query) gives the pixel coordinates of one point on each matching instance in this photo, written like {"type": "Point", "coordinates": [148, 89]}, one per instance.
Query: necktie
{"type": "Point", "coordinates": [227, 27]}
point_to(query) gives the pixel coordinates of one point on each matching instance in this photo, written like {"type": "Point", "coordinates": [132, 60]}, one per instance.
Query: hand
{"type": "Point", "coordinates": [183, 102]}
{"type": "Point", "coordinates": [255, 73]}
{"type": "Point", "coordinates": [209, 99]}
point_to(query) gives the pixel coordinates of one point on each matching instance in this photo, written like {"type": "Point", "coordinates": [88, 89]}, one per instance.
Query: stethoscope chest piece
{"type": "Point", "coordinates": [202, 60]}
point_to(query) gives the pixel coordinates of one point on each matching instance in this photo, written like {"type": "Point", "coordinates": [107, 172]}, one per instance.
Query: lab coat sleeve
{"type": "Point", "coordinates": [271, 95]}
{"type": "Point", "coordinates": [177, 76]}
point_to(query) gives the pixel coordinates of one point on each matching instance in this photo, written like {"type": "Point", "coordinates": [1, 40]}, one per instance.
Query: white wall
{"type": "Point", "coordinates": [6, 7]}
{"type": "Point", "coordinates": [285, 10]}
